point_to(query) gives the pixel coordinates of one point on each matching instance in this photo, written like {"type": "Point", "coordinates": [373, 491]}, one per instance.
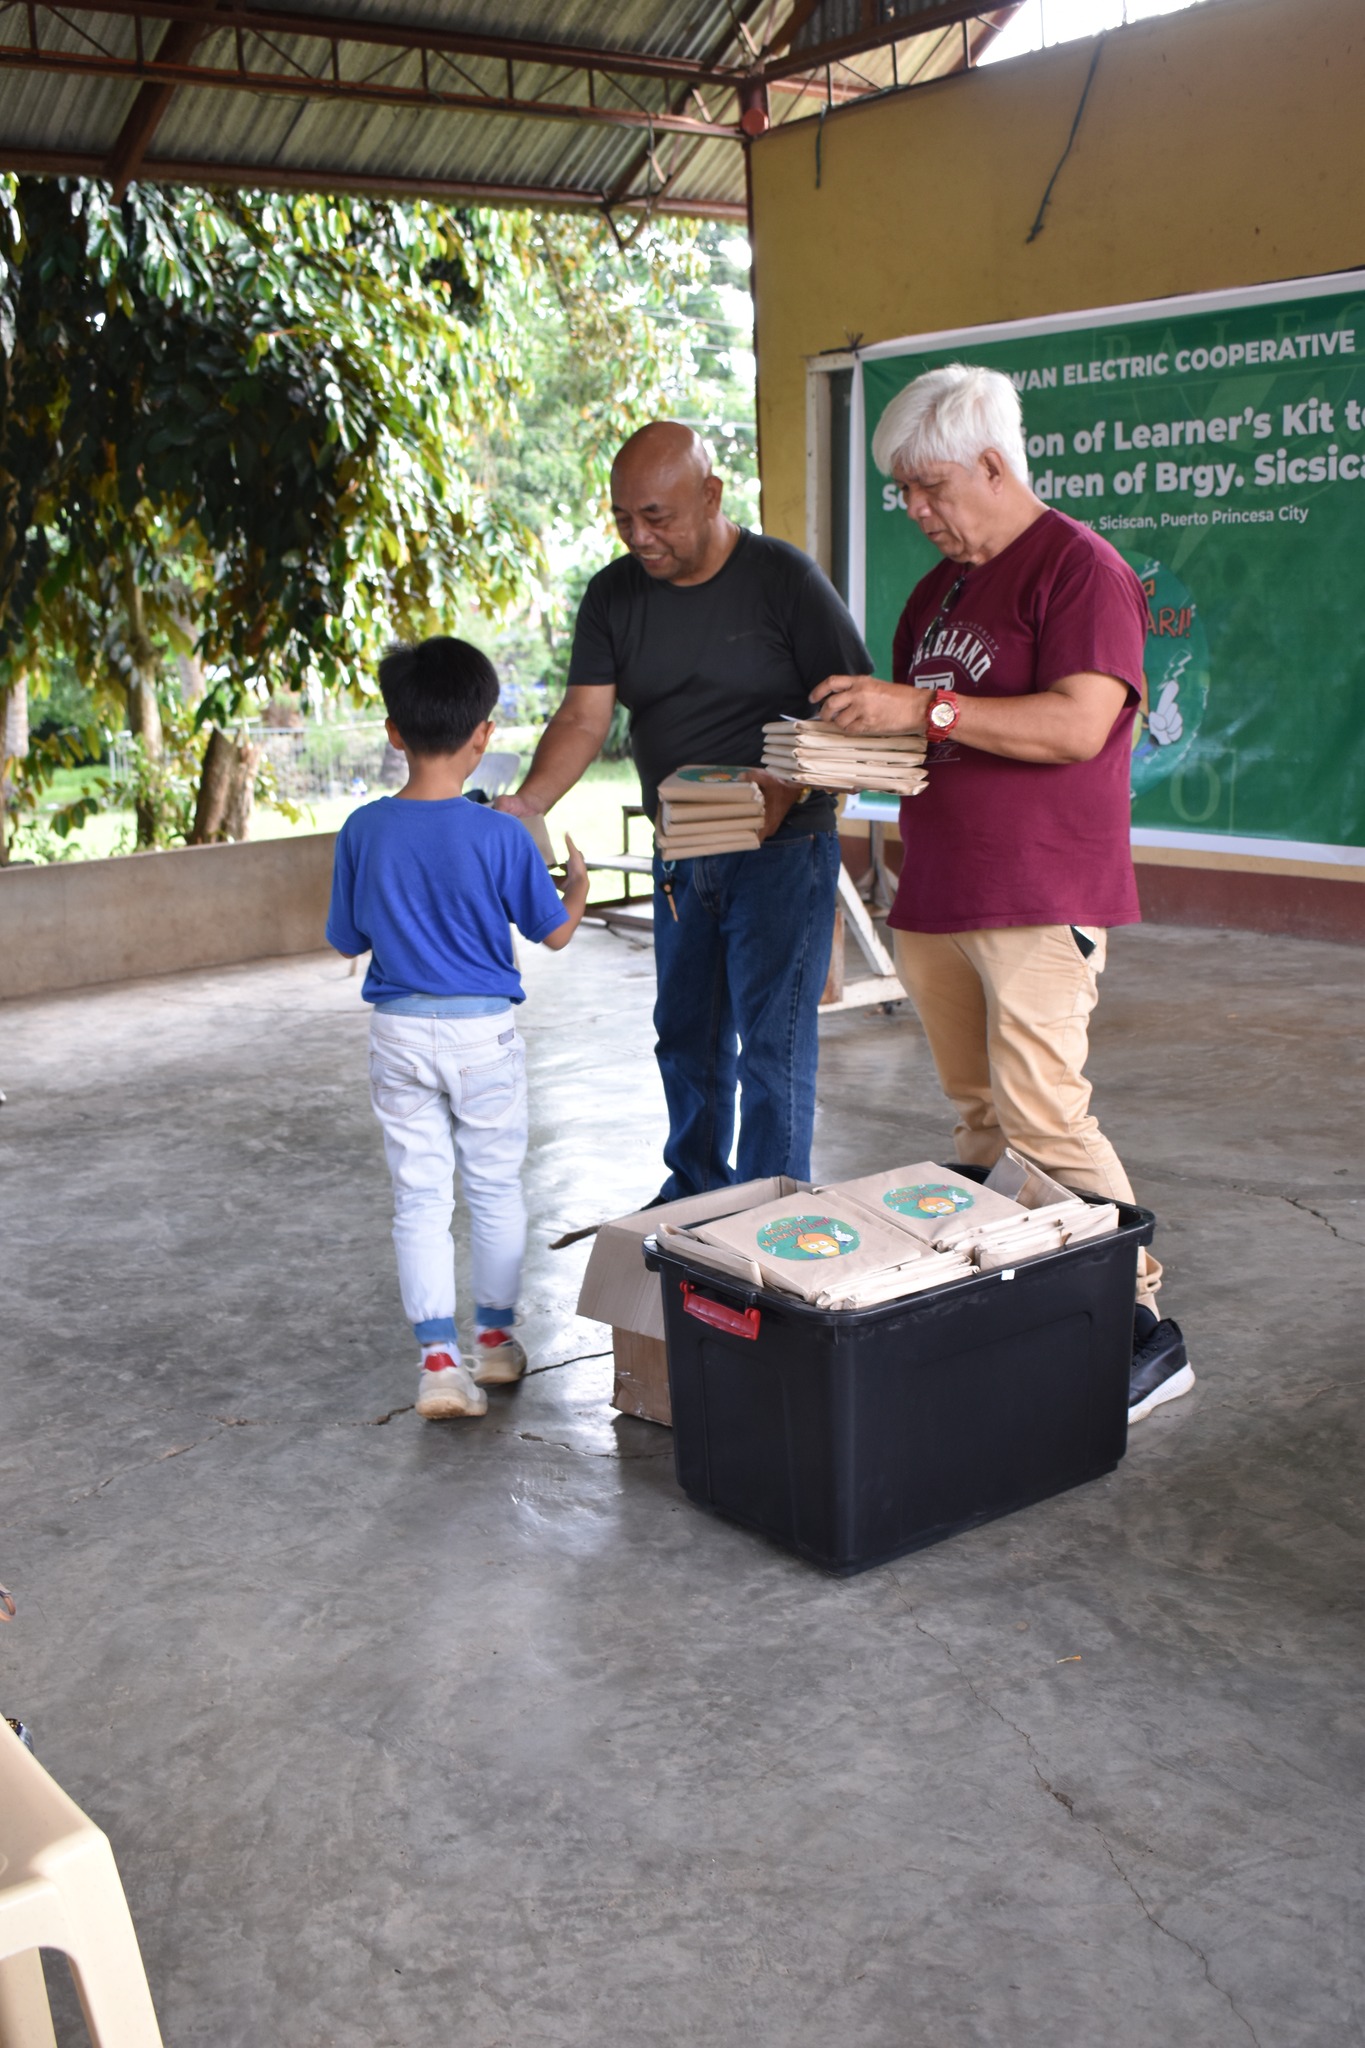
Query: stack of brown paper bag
{"type": "Point", "coordinates": [929, 1203]}
{"type": "Point", "coordinates": [858, 1243]}
{"type": "Point", "coordinates": [808, 751]}
{"type": "Point", "coordinates": [828, 1254]}
{"type": "Point", "coordinates": [709, 810]}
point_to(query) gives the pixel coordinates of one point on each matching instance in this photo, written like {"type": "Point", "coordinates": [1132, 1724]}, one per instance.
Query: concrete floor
{"type": "Point", "coordinates": [482, 1737]}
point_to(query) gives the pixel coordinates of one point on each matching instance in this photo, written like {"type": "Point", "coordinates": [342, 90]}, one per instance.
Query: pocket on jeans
{"type": "Point", "coordinates": [490, 1086]}
{"type": "Point", "coordinates": [397, 1087]}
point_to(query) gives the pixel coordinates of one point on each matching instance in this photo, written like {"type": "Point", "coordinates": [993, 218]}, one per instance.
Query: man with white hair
{"type": "Point", "coordinates": [705, 632]}
{"type": "Point", "coordinates": [1024, 649]}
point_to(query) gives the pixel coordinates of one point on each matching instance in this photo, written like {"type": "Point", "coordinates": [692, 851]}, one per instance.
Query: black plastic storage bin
{"type": "Point", "coordinates": [852, 1436]}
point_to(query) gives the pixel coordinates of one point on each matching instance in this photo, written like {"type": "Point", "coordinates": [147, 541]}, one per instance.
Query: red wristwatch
{"type": "Point", "coordinates": [942, 715]}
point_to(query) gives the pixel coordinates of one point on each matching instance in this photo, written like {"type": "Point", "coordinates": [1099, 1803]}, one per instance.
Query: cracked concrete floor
{"type": "Point", "coordinates": [482, 1737]}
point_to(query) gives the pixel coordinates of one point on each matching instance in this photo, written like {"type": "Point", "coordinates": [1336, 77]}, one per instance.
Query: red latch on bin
{"type": "Point", "coordinates": [736, 1322]}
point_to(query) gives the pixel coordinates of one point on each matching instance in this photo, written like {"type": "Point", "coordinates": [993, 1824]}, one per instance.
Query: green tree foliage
{"type": "Point", "coordinates": [236, 424]}
{"type": "Point", "coordinates": [258, 436]}
{"type": "Point", "coordinates": [625, 334]}
{"type": "Point", "coordinates": [657, 327]}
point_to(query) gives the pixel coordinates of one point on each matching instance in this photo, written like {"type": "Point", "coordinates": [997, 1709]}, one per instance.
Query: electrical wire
{"type": "Point", "coordinates": [1037, 227]}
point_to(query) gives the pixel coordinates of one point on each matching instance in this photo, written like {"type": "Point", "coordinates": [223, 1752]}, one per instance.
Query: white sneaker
{"type": "Point", "coordinates": [445, 1389]}
{"type": "Point", "coordinates": [498, 1358]}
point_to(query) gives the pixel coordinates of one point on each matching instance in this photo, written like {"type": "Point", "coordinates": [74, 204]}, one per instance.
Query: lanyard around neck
{"type": "Point", "coordinates": [931, 630]}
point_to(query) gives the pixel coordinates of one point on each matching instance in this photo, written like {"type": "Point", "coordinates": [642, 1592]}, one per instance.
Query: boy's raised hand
{"type": "Point", "coordinates": [574, 889]}
{"type": "Point", "coordinates": [575, 867]}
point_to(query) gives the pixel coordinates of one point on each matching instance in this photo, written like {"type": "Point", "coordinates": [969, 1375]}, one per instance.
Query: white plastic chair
{"type": "Point", "coordinates": [495, 773]}
{"type": "Point", "coordinates": [59, 1888]}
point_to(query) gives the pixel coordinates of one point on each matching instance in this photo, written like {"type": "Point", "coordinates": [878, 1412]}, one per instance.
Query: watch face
{"type": "Point", "coordinates": [942, 715]}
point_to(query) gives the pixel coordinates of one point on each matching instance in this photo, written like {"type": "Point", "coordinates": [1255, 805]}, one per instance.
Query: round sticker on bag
{"type": "Point", "coordinates": [713, 774]}
{"type": "Point", "coordinates": [928, 1198]}
{"type": "Point", "coordinates": [808, 1237]}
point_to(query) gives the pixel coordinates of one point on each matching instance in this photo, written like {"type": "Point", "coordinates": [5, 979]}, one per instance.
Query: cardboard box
{"type": "Point", "coordinates": [640, 1386]}
{"type": "Point", "coordinates": [618, 1289]}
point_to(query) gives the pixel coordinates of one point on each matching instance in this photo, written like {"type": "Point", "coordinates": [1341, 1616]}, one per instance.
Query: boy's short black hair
{"type": "Point", "coordinates": [437, 692]}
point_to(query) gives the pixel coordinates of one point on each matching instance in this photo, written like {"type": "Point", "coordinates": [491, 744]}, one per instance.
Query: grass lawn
{"type": "Point", "coordinates": [590, 813]}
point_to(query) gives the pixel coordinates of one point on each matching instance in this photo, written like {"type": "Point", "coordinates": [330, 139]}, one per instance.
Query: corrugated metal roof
{"type": "Point", "coordinates": [511, 99]}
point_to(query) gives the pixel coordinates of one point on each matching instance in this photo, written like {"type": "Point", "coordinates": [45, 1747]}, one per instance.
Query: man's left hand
{"type": "Point", "coordinates": [778, 798]}
{"type": "Point", "coordinates": [864, 704]}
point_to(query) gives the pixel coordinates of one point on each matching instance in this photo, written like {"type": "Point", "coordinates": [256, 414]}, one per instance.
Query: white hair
{"type": "Point", "coordinates": [952, 415]}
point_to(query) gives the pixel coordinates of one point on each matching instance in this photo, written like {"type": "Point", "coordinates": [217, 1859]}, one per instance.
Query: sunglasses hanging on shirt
{"type": "Point", "coordinates": [931, 630]}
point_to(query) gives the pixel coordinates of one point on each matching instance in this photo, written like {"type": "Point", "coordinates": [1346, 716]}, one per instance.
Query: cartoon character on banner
{"type": "Point", "coordinates": [1175, 677]}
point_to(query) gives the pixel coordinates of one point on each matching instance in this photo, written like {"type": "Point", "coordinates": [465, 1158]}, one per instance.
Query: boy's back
{"type": "Point", "coordinates": [429, 883]}
{"type": "Point", "coordinates": [431, 889]}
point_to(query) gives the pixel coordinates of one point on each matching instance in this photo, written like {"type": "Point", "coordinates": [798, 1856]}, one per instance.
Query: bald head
{"type": "Point", "coordinates": [665, 499]}
{"type": "Point", "coordinates": [665, 448]}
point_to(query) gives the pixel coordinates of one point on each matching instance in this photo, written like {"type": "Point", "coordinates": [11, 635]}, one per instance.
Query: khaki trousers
{"type": "Point", "coordinates": [1007, 1017]}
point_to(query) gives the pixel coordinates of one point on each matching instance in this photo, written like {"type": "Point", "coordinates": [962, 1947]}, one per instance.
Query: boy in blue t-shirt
{"type": "Point", "coordinates": [429, 883]}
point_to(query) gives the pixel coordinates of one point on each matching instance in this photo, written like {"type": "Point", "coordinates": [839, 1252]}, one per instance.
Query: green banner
{"type": "Point", "coordinates": [1219, 444]}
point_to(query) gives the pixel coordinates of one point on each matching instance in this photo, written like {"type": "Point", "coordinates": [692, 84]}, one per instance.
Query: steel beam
{"type": "Point", "coordinates": [792, 26]}
{"type": "Point", "coordinates": [350, 28]}
{"type": "Point", "coordinates": [319, 178]}
{"type": "Point", "coordinates": [302, 85]}
{"type": "Point", "coordinates": [622, 185]}
{"type": "Point", "coordinates": [903, 30]}
{"type": "Point", "coordinates": [178, 44]}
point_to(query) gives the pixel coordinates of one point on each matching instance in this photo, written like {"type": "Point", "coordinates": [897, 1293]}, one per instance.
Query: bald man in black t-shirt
{"type": "Point", "coordinates": [705, 632]}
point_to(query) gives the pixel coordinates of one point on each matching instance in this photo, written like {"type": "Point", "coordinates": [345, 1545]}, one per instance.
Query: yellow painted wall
{"type": "Point", "coordinates": [1223, 146]}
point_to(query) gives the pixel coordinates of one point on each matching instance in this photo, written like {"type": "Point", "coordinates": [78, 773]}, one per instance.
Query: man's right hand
{"type": "Point", "coordinates": [570, 743]}
{"type": "Point", "coordinates": [864, 704]}
{"type": "Point", "coordinates": [518, 806]}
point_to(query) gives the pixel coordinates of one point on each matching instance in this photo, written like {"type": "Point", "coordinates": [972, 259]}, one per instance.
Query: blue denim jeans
{"type": "Point", "coordinates": [740, 974]}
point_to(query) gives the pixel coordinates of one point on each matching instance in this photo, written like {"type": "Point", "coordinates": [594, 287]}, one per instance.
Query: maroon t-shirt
{"type": "Point", "coordinates": [992, 842]}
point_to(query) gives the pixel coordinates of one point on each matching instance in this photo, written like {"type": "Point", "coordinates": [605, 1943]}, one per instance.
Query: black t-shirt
{"type": "Point", "coordinates": [703, 668]}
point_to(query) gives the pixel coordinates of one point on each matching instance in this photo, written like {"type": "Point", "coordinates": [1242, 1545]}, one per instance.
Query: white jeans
{"type": "Point", "coordinates": [450, 1090]}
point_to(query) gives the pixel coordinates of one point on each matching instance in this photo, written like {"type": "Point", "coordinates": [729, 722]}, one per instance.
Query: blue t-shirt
{"type": "Point", "coordinates": [430, 889]}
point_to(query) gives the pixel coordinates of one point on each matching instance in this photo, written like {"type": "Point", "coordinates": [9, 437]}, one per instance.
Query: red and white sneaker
{"type": "Point", "coordinates": [445, 1389]}
{"type": "Point", "coordinates": [498, 1358]}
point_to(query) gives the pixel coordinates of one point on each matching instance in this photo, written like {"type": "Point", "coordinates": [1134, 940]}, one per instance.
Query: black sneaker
{"type": "Point", "coordinates": [1161, 1369]}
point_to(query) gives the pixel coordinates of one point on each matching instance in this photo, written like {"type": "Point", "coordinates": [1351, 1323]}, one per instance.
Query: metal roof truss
{"type": "Point", "coordinates": [155, 49]}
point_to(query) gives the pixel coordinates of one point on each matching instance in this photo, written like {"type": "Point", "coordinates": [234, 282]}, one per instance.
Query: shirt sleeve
{"type": "Point", "coordinates": [824, 639]}
{"type": "Point", "coordinates": [1094, 623]}
{"type": "Point", "coordinates": [342, 930]}
{"type": "Point", "coordinates": [592, 659]}
{"type": "Point", "coordinates": [532, 902]}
